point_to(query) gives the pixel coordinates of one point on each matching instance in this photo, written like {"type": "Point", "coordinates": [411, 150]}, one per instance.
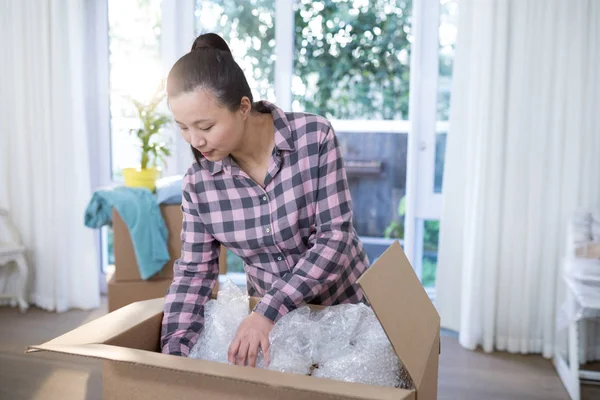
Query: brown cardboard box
{"type": "Point", "coordinates": [127, 340]}
{"type": "Point", "coordinates": [121, 294]}
{"type": "Point", "coordinates": [126, 268]}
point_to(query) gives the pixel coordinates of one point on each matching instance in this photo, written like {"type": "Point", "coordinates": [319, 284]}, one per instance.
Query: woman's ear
{"type": "Point", "coordinates": [245, 107]}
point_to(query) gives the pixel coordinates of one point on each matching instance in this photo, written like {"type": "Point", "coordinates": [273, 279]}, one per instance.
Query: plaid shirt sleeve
{"type": "Point", "coordinates": [321, 266]}
{"type": "Point", "coordinates": [196, 272]}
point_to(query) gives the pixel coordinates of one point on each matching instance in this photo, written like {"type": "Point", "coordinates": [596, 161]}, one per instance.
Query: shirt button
{"type": "Point", "coordinates": [279, 258]}
{"type": "Point", "coordinates": [268, 230]}
{"type": "Point", "coordinates": [264, 198]}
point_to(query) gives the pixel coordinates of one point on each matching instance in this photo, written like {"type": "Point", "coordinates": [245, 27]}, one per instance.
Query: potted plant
{"type": "Point", "coordinates": [152, 151]}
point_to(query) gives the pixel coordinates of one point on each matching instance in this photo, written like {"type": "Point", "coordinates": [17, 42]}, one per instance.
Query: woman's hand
{"type": "Point", "coordinates": [252, 333]}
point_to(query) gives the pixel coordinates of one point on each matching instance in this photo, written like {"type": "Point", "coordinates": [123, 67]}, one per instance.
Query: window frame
{"type": "Point", "coordinates": [422, 203]}
{"type": "Point", "coordinates": [98, 113]}
{"type": "Point", "coordinates": [177, 36]}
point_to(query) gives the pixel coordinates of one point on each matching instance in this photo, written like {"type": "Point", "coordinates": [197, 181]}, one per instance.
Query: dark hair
{"type": "Point", "coordinates": [209, 65]}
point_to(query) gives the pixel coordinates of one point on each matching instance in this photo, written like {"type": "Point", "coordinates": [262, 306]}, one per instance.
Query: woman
{"type": "Point", "coordinates": [271, 187]}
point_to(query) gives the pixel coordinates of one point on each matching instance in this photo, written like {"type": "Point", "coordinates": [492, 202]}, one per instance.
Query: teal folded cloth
{"type": "Point", "coordinates": [140, 212]}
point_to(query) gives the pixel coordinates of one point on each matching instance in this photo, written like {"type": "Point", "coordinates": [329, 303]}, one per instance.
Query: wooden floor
{"type": "Point", "coordinates": [463, 374]}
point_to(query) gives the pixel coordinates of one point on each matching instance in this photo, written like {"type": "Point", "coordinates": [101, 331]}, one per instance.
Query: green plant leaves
{"type": "Point", "coordinates": [152, 124]}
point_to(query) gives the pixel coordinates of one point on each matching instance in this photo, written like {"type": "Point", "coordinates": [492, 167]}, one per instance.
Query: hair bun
{"type": "Point", "coordinates": [210, 41]}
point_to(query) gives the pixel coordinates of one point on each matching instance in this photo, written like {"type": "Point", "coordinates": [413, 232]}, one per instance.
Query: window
{"type": "Point", "coordinates": [351, 63]}
{"type": "Point", "coordinates": [349, 60]}
{"type": "Point", "coordinates": [447, 40]}
{"type": "Point", "coordinates": [135, 72]}
{"type": "Point", "coordinates": [249, 29]}
{"type": "Point", "coordinates": [134, 31]}
{"type": "Point", "coordinates": [431, 232]}
{"type": "Point", "coordinates": [440, 155]}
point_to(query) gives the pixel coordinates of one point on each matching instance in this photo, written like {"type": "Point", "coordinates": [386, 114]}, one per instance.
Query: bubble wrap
{"type": "Point", "coordinates": [344, 342]}
{"type": "Point", "coordinates": [368, 358]}
{"type": "Point", "coordinates": [222, 319]}
{"type": "Point", "coordinates": [291, 343]}
{"type": "Point", "coordinates": [335, 330]}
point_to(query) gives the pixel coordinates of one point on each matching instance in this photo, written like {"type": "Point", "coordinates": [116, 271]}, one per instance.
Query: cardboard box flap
{"type": "Point", "coordinates": [233, 372]}
{"type": "Point", "coordinates": [108, 326]}
{"type": "Point", "coordinates": [408, 317]}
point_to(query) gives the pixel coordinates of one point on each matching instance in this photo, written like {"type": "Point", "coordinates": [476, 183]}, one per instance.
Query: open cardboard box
{"type": "Point", "coordinates": [127, 341]}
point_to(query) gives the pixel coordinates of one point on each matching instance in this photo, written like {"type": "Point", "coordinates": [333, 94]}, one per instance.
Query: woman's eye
{"type": "Point", "coordinates": [206, 129]}
{"type": "Point", "coordinates": [183, 128]}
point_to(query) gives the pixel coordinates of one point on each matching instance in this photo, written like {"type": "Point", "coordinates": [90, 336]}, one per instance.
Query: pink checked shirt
{"type": "Point", "coordinates": [295, 236]}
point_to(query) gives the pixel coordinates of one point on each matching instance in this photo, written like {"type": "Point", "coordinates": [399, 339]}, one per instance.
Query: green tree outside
{"type": "Point", "coordinates": [351, 58]}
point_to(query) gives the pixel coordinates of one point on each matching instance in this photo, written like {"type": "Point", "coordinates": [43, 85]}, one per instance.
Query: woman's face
{"type": "Point", "coordinates": [210, 128]}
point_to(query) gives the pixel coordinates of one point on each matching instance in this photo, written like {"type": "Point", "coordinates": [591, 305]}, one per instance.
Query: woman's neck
{"type": "Point", "coordinates": [258, 140]}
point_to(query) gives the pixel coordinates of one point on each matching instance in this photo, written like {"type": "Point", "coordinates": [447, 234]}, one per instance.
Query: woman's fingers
{"type": "Point", "coordinates": [253, 352]}
{"type": "Point", "coordinates": [252, 334]}
{"type": "Point", "coordinates": [242, 352]}
{"type": "Point", "coordinates": [264, 345]}
{"type": "Point", "coordinates": [233, 350]}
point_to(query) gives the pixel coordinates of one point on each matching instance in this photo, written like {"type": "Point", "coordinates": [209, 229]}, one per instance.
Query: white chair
{"type": "Point", "coordinates": [13, 251]}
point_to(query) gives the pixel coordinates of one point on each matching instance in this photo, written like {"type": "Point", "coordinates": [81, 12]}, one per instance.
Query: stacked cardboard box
{"type": "Point", "coordinates": [126, 285]}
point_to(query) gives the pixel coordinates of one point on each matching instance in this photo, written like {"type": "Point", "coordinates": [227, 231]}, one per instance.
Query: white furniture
{"type": "Point", "coordinates": [582, 301]}
{"type": "Point", "coordinates": [13, 252]}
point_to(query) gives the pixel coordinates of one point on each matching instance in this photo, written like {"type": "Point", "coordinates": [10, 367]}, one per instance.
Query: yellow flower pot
{"type": "Point", "coordinates": [145, 178]}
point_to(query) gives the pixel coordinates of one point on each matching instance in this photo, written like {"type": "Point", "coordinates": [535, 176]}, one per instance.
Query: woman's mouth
{"type": "Point", "coordinates": [207, 153]}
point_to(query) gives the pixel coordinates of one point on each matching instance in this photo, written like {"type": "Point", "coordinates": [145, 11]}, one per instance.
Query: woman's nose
{"type": "Point", "coordinates": [198, 141]}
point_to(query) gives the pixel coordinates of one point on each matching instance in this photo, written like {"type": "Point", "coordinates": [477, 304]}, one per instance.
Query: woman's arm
{"type": "Point", "coordinates": [196, 272]}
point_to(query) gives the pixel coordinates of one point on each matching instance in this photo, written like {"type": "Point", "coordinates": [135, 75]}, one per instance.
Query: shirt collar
{"type": "Point", "coordinates": [283, 131]}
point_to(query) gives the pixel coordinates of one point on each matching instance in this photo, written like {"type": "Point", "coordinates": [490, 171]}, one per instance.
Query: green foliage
{"type": "Point", "coordinates": [431, 235]}
{"type": "Point", "coordinates": [353, 57]}
{"type": "Point", "coordinates": [431, 232]}
{"type": "Point", "coordinates": [249, 29]}
{"type": "Point", "coordinates": [396, 228]}
{"type": "Point", "coordinates": [402, 206]}
{"type": "Point", "coordinates": [429, 268]}
{"type": "Point", "coordinates": [152, 123]}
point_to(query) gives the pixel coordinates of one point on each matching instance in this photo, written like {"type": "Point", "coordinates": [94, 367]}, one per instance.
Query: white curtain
{"type": "Point", "coordinates": [44, 161]}
{"type": "Point", "coordinates": [523, 153]}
